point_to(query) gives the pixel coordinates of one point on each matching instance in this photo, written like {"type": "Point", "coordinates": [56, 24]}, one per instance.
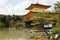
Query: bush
{"type": "Point", "coordinates": [2, 25]}
{"type": "Point", "coordinates": [56, 30]}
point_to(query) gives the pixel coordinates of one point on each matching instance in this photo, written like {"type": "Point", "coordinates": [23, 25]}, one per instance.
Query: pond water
{"type": "Point", "coordinates": [14, 35]}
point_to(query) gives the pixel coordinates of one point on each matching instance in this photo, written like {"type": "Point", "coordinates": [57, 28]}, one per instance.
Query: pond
{"type": "Point", "coordinates": [14, 35]}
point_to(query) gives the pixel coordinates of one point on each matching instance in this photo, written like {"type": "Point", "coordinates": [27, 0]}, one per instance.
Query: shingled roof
{"type": "Point", "coordinates": [38, 5]}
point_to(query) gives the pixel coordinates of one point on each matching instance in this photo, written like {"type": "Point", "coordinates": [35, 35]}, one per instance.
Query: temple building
{"type": "Point", "coordinates": [35, 8]}
{"type": "Point", "coordinates": [38, 8]}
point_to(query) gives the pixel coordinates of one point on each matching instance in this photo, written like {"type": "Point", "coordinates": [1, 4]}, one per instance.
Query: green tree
{"type": "Point", "coordinates": [39, 21]}
{"type": "Point", "coordinates": [2, 25]}
{"type": "Point", "coordinates": [57, 26]}
{"type": "Point", "coordinates": [57, 7]}
{"type": "Point", "coordinates": [57, 18]}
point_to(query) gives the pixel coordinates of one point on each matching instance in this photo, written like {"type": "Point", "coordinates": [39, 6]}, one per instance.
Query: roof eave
{"type": "Point", "coordinates": [38, 5]}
